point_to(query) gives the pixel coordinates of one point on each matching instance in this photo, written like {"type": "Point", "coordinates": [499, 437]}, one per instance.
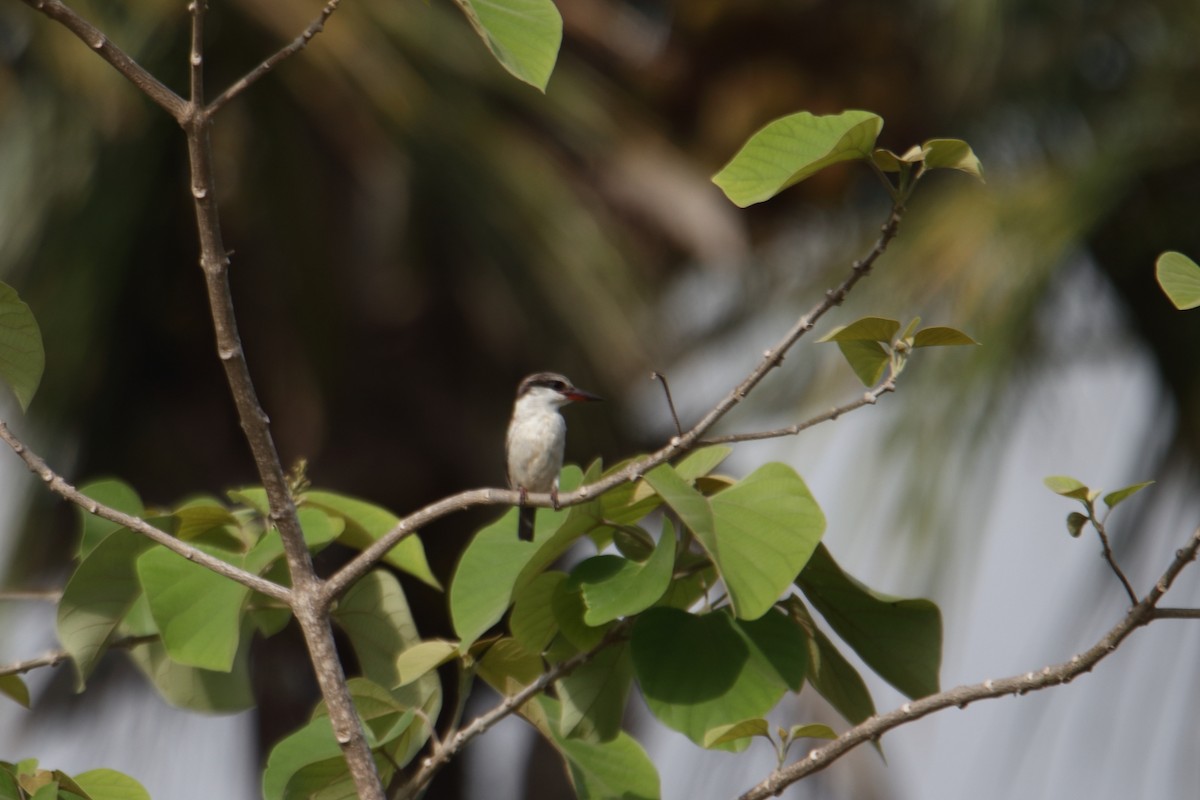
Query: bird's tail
{"type": "Point", "coordinates": [525, 523]}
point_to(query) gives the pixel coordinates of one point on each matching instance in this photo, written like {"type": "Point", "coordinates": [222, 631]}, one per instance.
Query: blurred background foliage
{"type": "Point", "coordinates": [413, 231]}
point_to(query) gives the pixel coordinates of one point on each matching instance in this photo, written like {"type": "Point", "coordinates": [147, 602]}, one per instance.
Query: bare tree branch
{"type": "Point", "coordinates": [306, 599]}
{"type": "Point", "coordinates": [1142, 613]}
{"type": "Point", "coordinates": [362, 563]}
{"type": "Point", "coordinates": [1176, 613]}
{"type": "Point", "coordinates": [65, 490]}
{"type": "Point", "coordinates": [56, 657]}
{"type": "Point", "coordinates": [46, 595]}
{"type": "Point", "coordinates": [295, 46]}
{"type": "Point", "coordinates": [868, 399]}
{"type": "Point", "coordinates": [50, 659]}
{"type": "Point", "coordinates": [95, 39]}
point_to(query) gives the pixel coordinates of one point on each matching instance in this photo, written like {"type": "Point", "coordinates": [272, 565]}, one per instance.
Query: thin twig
{"type": "Point", "coordinates": [1177, 613]}
{"type": "Point", "coordinates": [197, 9]}
{"type": "Point", "coordinates": [481, 724]}
{"type": "Point", "coordinates": [362, 563]}
{"type": "Point", "coordinates": [134, 72]}
{"type": "Point", "coordinates": [658, 376]}
{"type": "Point", "coordinates": [56, 657]}
{"type": "Point", "coordinates": [51, 659]}
{"type": "Point", "coordinates": [254, 75]}
{"type": "Point", "coordinates": [1112, 560]}
{"type": "Point", "coordinates": [868, 399]}
{"type": "Point", "coordinates": [68, 492]}
{"type": "Point", "coordinates": [1142, 613]}
{"type": "Point", "coordinates": [41, 595]}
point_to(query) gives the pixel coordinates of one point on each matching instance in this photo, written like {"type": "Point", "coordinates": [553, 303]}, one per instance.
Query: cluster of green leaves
{"type": "Point", "coordinates": [189, 629]}
{"type": "Point", "coordinates": [711, 618]}
{"type": "Point", "coordinates": [797, 146]}
{"type": "Point", "coordinates": [24, 780]}
{"type": "Point", "coordinates": [871, 346]}
{"type": "Point", "coordinates": [1076, 490]}
{"type": "Point", "coordinates": [127, 586]}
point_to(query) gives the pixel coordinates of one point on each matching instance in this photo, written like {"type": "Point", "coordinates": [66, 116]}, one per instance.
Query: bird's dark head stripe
{"type": "Point", "coordinates": [550, 380]}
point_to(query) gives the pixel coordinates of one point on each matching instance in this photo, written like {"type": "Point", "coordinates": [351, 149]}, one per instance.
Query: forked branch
{"type": "Point", "coordinates": [95, 39]}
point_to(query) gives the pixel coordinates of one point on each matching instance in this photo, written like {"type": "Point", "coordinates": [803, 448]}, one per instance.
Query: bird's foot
{"type": "Point", "coordinates": [554, 498]}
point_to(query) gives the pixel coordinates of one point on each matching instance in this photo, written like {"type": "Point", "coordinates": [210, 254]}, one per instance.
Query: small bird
{"type": "Point", "coordinates": [536, 438]}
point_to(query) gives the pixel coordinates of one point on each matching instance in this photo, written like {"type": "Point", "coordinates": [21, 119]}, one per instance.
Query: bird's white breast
{"type": "Point", "coordinates": [536, 439]}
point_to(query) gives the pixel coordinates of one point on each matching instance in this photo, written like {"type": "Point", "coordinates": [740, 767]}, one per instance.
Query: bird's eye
{"type": "Point", "coordinates": [557, 386]}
